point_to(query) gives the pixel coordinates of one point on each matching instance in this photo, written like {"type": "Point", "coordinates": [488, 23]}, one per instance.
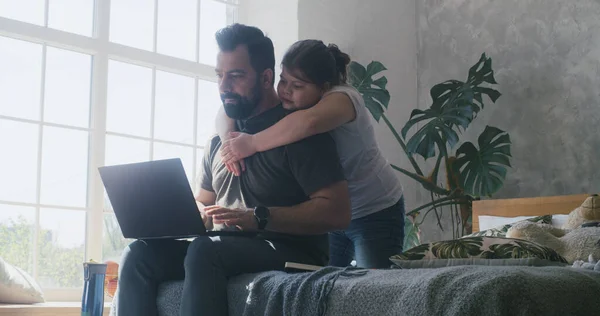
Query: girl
{"type": "Point", "coordinates": [313, 85]}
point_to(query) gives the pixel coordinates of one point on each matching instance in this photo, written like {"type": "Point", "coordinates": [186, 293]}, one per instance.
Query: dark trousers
{"type": "Point", "coordinates": [370, 240]}
{"type": "Point", "coordinates": [205, 264]}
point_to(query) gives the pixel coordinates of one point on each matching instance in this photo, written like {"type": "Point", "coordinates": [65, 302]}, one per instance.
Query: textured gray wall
{"type": "Point", "coordinates": [546, 56]}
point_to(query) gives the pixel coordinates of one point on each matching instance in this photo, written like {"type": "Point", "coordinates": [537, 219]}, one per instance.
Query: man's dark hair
{"type": "Point", "coordinates": [260, 47]}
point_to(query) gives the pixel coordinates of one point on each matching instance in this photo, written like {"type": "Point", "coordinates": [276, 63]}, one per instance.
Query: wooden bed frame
{"type": "Point", "coordinates": [526, 206]}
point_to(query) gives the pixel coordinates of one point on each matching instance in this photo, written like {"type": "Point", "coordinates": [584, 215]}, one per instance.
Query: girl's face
{"type": "Point", "coordinates": [295, 92]}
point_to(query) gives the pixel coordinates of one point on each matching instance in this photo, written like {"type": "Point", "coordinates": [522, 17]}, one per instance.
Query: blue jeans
{"type": "Point", "coordinates": [369, 240]}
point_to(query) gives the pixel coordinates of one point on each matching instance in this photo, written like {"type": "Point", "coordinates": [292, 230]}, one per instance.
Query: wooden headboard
{"type": "Point", "coordinates": [526, 206]}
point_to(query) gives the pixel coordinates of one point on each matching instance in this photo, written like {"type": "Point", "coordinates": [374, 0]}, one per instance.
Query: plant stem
{"type": "Point", "coordinates": [437, 215]}
{"type": "Point", "coordinates": [437, 202]}
{"type": "Point", "coordinates": [452, 216]}
{"type": "Point", "coordinates": [412, 160]}
{"type": "Point", "coordinates": [436, 169]}
{"type": "Point", "coordinates": [431, 209]}
{"type": "Point", "coordinates": [458, 219]}
{"type": "Point", "coordinates": [424, 182]}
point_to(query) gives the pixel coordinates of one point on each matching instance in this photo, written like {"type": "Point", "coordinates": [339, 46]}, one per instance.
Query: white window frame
{"type": "Point", "coordinates": [101, 49]}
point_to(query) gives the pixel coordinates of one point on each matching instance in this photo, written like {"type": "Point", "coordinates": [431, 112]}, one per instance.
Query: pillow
{"type": "Point", "coordinates": [480, 247]}
{"type": "Point", "coordinates": [559, 220]}
{"type": "Point", "coordinates": [488, 222]}
{"type": "Point", "coordinates": [441, 263]}
{"type": "Point", "coordinates": [500, 231]}
{"type": "Point", "coordinates": [17, 286]}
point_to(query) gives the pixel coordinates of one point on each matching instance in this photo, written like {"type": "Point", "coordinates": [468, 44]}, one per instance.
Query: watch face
{"type": "Point", "coordinates": [262, 212]}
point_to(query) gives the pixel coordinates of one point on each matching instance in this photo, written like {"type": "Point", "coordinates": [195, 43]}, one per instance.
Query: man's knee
{"type": "Point", "coordinates": [136, 253]}
{"type": "Point", "coordinates": [202, 251]}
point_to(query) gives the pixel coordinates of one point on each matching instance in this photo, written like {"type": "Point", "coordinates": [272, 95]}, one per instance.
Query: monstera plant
{"type": "Point", "coordinates": [470, 170]}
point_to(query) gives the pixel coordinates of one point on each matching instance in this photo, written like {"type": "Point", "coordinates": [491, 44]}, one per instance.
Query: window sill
{"type": "Point", "coordinates": [46, 309]}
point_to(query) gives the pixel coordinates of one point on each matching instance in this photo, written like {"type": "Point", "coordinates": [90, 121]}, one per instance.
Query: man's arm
{"type": "Point", "coordinates": [316, 166]}
{"type": "Point", "coordinates": [327, 210]}
{"type": "Point", "coordinates": [205, 198]}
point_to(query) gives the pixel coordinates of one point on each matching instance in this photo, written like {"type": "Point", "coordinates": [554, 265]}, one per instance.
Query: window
{"type": "Point", "coordinates": [77, 93]}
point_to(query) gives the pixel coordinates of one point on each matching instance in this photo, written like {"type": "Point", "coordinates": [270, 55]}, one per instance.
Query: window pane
{"type": "Point", "coordinates": [174, 108]}
{"type": "Point", "coordinates": [122, 150]}
{"type": "Point", "coordinates": [129, 99]}
{"type": "Point", "coordinates": [166, 151]}
{"type": "Point", "coordinates": [31, 11]}
{"type": "Point", "coordinates": [18, 161]}
{"type": "Point", "coordinates": [209, 102]}
{"type": "Point", "coordinates": [213, 16]}
{"type": "Point", "coordinates": [16, 235]}
{"type": "Point", "coordinates": [132, 23]}
{"type": "Point", "coordinates": [75, 16]}
{"type": "Point", "coordinates": [113, 241]}
{"type": "Point", "coordinates": [67, 92]}
{"type": "Point", "coordinates": [20, 78]}
{"type": "Point", "coordinates": [61, 247]}
{"type": "Point", "coordinates": [177, 28]}
{"type": "Point", "coordinates": [64, 167]}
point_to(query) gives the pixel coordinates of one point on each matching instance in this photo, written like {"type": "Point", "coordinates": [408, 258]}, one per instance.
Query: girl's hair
{"type": "Point", "coordinates": [318, 63]}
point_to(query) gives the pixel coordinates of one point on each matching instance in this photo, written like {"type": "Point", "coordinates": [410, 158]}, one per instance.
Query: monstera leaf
{"type": "Point", "coordinates": [437, 131]}
{"type": "Point", "coordinates": [374, 92]}
{"type": "Point", "coordinates": [470, 92]}
{"type": "Point", "coordinates": [455, 105]}
{"type": "Point", "coordinates": [482, 171]}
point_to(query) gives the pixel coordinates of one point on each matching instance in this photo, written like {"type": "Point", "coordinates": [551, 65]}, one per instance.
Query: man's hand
{"type": "Point", "coordinates": [208, 222]}
{"type": "Point", "coordinates": [242, 218]}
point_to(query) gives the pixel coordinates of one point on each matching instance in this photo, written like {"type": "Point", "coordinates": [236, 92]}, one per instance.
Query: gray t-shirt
{"type": "Point", "coordinates": [372, 183]}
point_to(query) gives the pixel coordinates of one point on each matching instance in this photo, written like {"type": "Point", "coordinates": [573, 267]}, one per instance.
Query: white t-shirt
{"type": "Point", "coordinates": [372, 182]}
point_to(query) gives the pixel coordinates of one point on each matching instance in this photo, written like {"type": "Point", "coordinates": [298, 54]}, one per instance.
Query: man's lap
{"type": "Point", "coordinates": [235, 255]}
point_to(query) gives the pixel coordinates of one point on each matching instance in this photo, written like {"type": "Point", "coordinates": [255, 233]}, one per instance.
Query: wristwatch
{"type": "Point", "coordinates": [262, 214]}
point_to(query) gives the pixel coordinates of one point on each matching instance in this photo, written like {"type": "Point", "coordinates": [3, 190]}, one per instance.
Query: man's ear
{"type": "Point", "coordinates": [268, 78]}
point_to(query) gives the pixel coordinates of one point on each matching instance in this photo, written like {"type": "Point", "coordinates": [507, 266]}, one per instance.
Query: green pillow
{"type": "Point", "coordinates": [500, 231]}
{"type": "Point", "coordinates": [480, 247]}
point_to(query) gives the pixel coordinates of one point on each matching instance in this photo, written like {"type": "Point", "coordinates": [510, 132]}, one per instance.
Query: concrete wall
{"type": "Point", "coordinates": [546, 56]}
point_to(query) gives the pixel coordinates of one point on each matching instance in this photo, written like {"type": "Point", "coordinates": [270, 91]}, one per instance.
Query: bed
{"type": "Point", "coordinates": [477, 289]}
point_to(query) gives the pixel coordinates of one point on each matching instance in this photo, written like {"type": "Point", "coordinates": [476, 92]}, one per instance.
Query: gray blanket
{"type": "Point", "coordinates": [456, 290]}
{"type": "Point", "coordinates": [461, 290]}
{"type": "Point", "coordinates": [298, 294]}
{"type": "Point", "coordinates": [469, 290]}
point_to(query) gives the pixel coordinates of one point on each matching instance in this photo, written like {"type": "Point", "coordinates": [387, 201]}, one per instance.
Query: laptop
{"type": "Point", "coordinates": [154, 200]}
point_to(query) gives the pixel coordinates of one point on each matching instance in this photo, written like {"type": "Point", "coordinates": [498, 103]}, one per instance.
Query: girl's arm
{"type": "Point", "coordinates": [332, 111]}
{"type": "Point", "coordinates": [225, 125]}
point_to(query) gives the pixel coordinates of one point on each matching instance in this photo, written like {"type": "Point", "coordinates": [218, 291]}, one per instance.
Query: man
{"type": "Point", "coordinates": [292, 196]}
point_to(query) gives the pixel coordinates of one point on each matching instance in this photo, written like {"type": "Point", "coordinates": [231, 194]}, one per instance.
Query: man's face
{"type": "Point", "coordinates": [239, 84]}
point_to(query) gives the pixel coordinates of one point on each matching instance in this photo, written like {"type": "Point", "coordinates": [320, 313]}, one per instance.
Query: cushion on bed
{"type": "Point", "coordinates": [500, 231]}
{"type": "Point", "coordinates": [440, 263]}
{"type": "Point", "coordinates": [480, 247]}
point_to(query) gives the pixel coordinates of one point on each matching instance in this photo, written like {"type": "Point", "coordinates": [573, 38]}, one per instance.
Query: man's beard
{"type": "Point", "coordinates": [242, 107]}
